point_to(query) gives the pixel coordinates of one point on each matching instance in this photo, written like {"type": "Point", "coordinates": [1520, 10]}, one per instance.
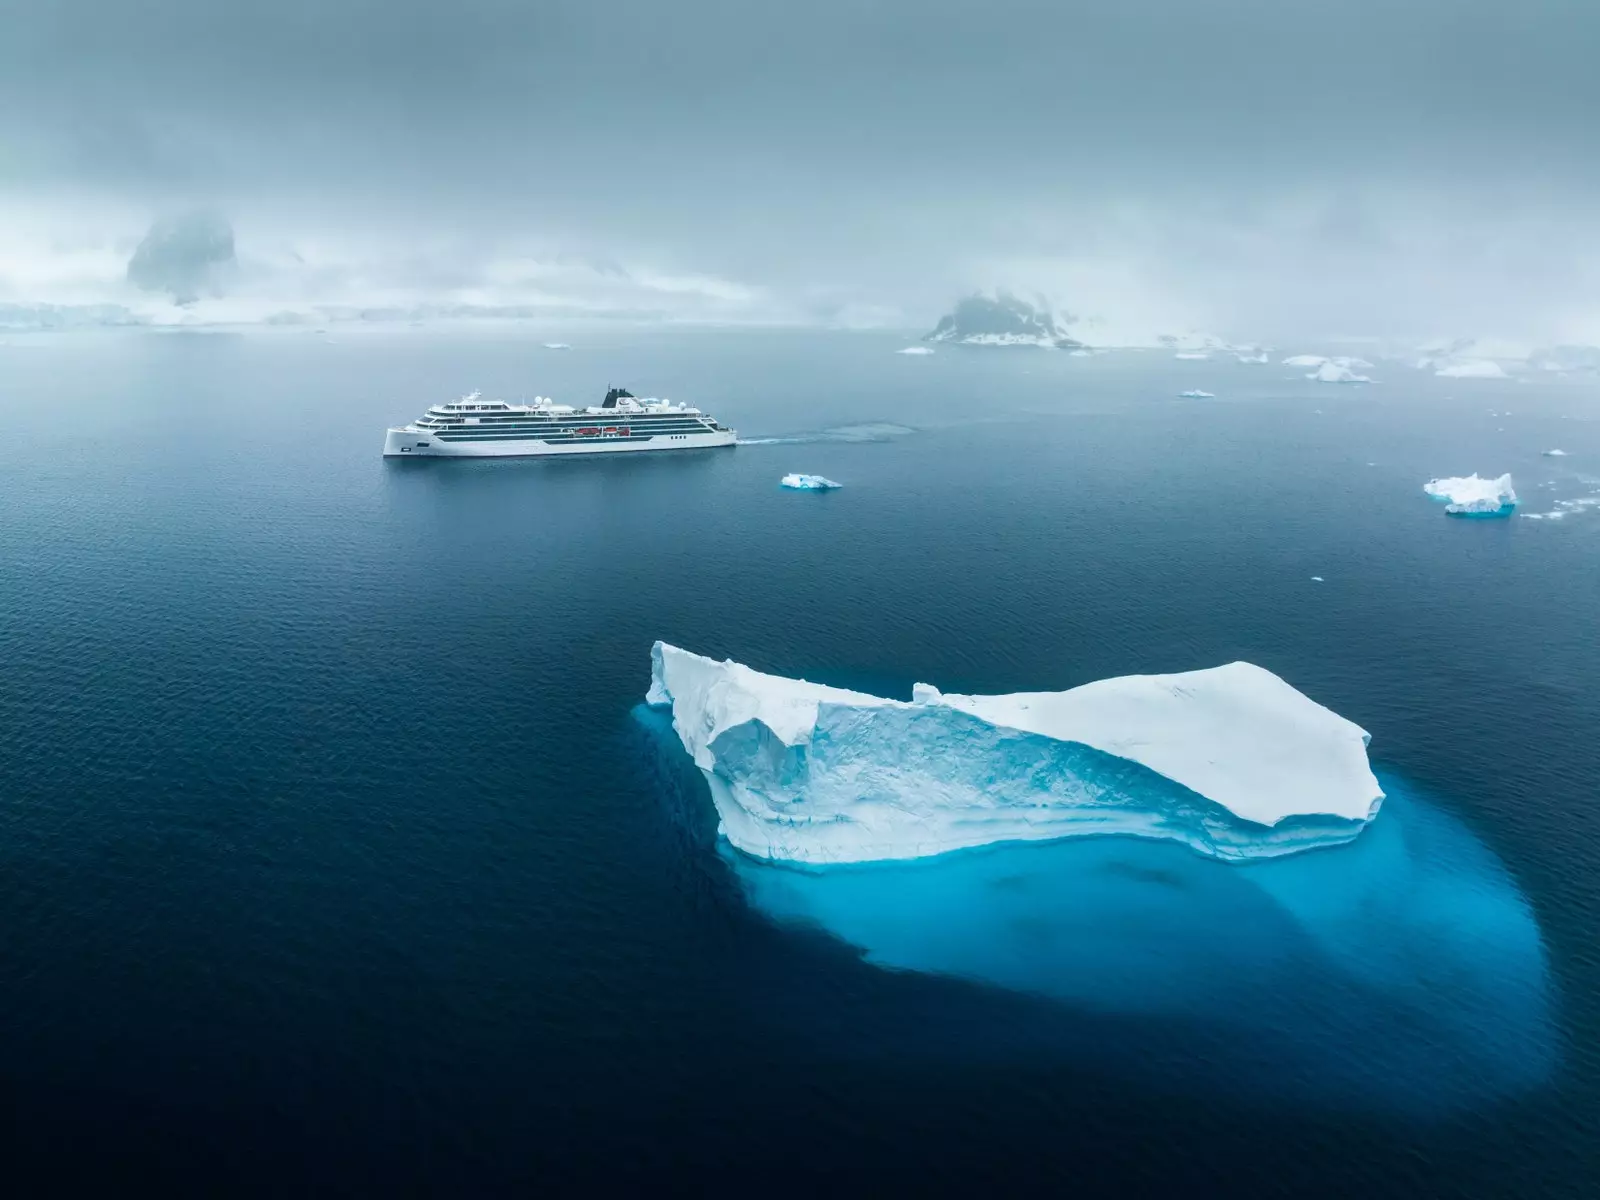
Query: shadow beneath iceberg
{"type": "Point", "coordinates": [1403, 970]}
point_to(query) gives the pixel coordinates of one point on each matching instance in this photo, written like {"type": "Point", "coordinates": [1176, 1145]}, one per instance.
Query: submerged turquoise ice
{"type": "Point", "coordinates": [1402, 970]}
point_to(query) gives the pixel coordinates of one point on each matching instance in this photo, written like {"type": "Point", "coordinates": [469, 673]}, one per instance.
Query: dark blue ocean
{"type": "Point", "coordinates": [337, 855]}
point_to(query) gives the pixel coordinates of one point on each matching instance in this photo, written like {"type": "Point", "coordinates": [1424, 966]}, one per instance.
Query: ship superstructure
{"type": "Point", "coordinates": [473, 427]}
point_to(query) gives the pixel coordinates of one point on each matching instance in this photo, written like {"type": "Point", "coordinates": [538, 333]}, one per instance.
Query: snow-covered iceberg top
{"type": "Point", "coordinates": [1335, 372]}
{"type": "Point", "coordinates": [1474, 368]}
{"type": "Point", "coordinates": [1197, 394]}
{"type": "Point", "coordinates": [1555, 453]}
{"type": "Point", "coordinates": [808, 483]}
{"type": "Point", "coordinates": [916, 351]}
{"type": "Point", "coordinates": [1470, 496]}
{"type": "Point", "coordinates": [1231, 761]}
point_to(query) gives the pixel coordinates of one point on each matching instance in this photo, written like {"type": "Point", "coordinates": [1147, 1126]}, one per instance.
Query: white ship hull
{"type": "Point", "coordinates": [413, 443]}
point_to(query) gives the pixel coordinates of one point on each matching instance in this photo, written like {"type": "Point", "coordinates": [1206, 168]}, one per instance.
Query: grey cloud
{"type": "Point", "coordinates": [895, 149]}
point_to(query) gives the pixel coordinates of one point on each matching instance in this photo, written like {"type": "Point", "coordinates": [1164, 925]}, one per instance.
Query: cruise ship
{"type": "Point", "coordinates": [472, 427]}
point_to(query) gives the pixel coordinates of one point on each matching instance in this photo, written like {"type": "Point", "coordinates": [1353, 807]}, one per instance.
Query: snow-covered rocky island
{"type": "Point", "coordinates": [1000, 320]}
{"type": "Point", "coordinates": [1231, 761]}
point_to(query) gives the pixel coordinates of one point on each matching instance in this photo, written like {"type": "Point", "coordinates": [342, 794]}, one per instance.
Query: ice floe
{"type": "Point", "coordinates": [808, 483]}
{"type": "Point", "coordinates": [1472, 496]}
{"type": "Point", "coordinates": [1476, 368]}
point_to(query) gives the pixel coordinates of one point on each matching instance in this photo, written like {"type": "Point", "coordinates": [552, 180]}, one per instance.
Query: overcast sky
{"type": "Point", "coordinates": [1318, 166]}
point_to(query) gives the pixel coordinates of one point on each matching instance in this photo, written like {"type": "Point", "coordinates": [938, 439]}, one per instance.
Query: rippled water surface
{"type": "Point", "coordinates": [333, 847]}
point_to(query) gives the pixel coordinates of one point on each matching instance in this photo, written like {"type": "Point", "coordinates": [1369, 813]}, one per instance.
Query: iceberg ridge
{"type": "Point", "coordinates": [1231, 761]}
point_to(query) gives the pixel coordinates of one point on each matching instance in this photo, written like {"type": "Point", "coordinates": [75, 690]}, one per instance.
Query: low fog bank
{"type": "Point", "coordinates": [1308, 274]}
{"type": "Point", "coordinates": [1280, 172]}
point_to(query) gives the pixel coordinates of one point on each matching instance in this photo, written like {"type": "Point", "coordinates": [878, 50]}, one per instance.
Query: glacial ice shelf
{"type": "Point", "coordinates": [1231, 761]}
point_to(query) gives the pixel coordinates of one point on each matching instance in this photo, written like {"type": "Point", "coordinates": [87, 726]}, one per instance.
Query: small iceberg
{"type": "Point", "coordinates": [1332, 372]}
{"type": "Point", "coordinates": [1305, 360]}
{"type": "Point", "coordinates": [1564, 507]}
{"type": "Point", "coordinates": [1197, 394]}
{"type": "Point", "coordinates": [916, 350]}
{"type": "Point", "coordinates": [1555, 453]}
{"type": "Point", "coordinates": [1194, 355]}
{"type": "Point", "coordinates": [1475, 368]}
{"type": "Point", "coordinates": [1230, 761]}
{"type": "Point", "coordinates": [557, 346]}
{"type": "Point", "coordinates": [1251, 359]}
{"type": "Point", "coordinates": [1471, 496]}
{"type": "Point", "coordinates": [808, 483]}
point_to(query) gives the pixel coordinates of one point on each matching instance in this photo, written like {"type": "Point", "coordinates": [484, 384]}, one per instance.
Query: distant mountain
{"type": "Point", "coordinates": [999, 320]}
{"type": "Point", "coordinates": [186, 257]}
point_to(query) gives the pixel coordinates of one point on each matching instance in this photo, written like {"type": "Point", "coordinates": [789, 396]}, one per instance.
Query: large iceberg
{"type": "Point", "coordinates": [1231, 761]}
{"type": "Point", "coordinates": [1470, 496]}
{"type": "Point", "coordinates": [1305, 978]}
